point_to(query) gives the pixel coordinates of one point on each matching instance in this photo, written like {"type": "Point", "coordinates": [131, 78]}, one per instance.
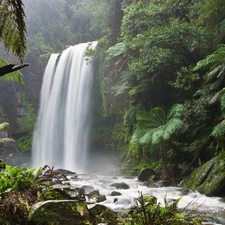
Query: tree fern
{"type": "Point", "coordinates": [13, 27]}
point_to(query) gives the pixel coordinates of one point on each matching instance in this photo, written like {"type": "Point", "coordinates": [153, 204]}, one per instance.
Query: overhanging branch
{"type": "Point", "coordinates": [11, 68]}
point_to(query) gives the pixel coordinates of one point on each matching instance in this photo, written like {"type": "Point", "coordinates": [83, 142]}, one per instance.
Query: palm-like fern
{"type": "Point", "coordinates": [13, 27]}
{"type": "Point", "coordinates": [155, 127]}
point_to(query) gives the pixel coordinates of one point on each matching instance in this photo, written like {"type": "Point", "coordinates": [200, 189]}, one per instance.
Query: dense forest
{"type": "Point", "coordinates": [159, 69]}
{"type": "Point", "coordinates": [158, 103]}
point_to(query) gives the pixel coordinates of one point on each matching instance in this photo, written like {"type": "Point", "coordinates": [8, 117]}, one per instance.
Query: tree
{"type": "Point", "coordinates": [155, 128]}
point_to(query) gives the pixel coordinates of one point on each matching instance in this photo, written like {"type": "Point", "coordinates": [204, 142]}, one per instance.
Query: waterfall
{"type": "Point", "coordinates": [61, 134]}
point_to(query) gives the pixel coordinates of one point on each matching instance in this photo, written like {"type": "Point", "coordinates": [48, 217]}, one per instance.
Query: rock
{"type": "Point", "coordinates": [146, 174]}
{"type": "Point", "coordinates": [121, 185]}
{"type": "Point", "coordinates": [102, 214]}
{"type": "Point", "coordinates": [87, 189]}
{"type": "Point", "coordinates": [115, 193]}
{"type": "Point", "coordinates": [101, 198]}
{"type": "Point", "coordinates": [55, 194]}
{"type": "Point", "coordinates": [60, 212]}
{"type": "Point", "coordinates": [65, 172]}
{"type": "Point", "coordinates": [93, 194]}
{"type": "Point", "coordinates": [208, 179]}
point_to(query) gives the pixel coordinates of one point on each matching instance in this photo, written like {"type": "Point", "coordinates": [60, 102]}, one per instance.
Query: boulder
{"type": "Point", "coordinates": [102, 214]}
{"type": "Point", "coordinates": [87, 189]}
{"type": "Point", "coordinates": [121, 185]}
{"type": "Point", "coordinates": [115, 193]}
{"type": "Point", "coordinates": [208, 179]}
{"type": "Point", "coordinates": [101, 198]}
{"type": "Point", "coordinates": [59, 212]}
{"type": "Point", "coordinates": [146, 174]}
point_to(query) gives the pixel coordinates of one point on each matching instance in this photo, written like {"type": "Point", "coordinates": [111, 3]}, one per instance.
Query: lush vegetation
{"type": "Point", "coordinates": [167, 56]}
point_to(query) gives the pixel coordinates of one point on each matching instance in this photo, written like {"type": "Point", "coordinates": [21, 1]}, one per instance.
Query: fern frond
{"type": "Point", "coordinates": [147, 137]}
{"type": "Point", "coordinates": [13, 27]}
{"type": "Point", "coordinates": [176, 111]}
{"type": "Point", "coordinates": [158, 114]}
{"type": "Point", "coordinates": [116, 50]}
{"type": "Point", "coordinates": [213, 60]}
{"type": "Point", "coordinates": [171, 127]}
{"type": "Point", "coordinates": [6, 140]}
{"type": "Point", "coordinates": [138, 133]}
{"type": "Point", "coordinates": [218, 130]}
{"type": "Point", "coordinates": [3, 126]}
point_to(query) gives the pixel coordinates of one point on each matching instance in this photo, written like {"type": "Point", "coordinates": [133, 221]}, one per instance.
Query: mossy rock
{"type": "Point", "coordinates": [56, 194]}
{"type": "Point", "coordinates": [209, 178]}
{"type": "Point", "coordinates": [59, 212]}
{"type": "Point", "coordinates": [100, 213]}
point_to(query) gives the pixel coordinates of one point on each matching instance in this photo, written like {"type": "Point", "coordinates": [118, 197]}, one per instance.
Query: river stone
{"type": "Point", "coordinates": [209, 178]}
{"type": "Point", "coordinates": [87, 189]}
{"type": "Point", "coordinates": [115, 193]}
{"type": "Point", "coordinates": [121, 185]}
{"type": "Point", "coordinates": [146, 174]}
{"type": "Point", "coordinates": [101, 198]}
{"type": "Point", "coordinates": [100, 213]}
{"type": "Point", "coordinates": [59, 212]}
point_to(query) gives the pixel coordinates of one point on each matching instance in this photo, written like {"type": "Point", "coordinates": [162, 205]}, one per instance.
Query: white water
{"type": "Point", "coordinates": [211, 209]}
{"type": "Point", "coordinates": [61, 133]}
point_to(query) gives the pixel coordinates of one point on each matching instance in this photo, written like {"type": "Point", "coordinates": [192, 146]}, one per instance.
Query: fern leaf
{"type": "Point", "coordinates": [13, 27]}
{"type": "Point", "coordinates": [3, 126]}
{"type": "Point", "coordinates": [172, 126]}
{"type": "Point", "coordinates": [157, 136]}
{"type": "Point", "coordinates": [147, 138]}
{"type": "Point", "coordinates": [219, 130]}
{"type": "Point", "coordinates": [158, 115]}
{"type": "Point", "coordinates": [116, 50]}
{"type": "Point", "coordinates": [135, 139]}
{"type": "Point", "coordinates": [176, 111]}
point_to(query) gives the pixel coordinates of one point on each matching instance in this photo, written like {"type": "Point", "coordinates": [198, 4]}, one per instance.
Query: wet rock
{"type": "Point", "coordinates": [93, 194]}
{"type": "Point", "coordinates": [121, 185]}
{"type": "Point", "coordinates": [59, 212]}
{"type": "Point", "coordinates": [102, 214]}
{"type": "Point", "coordinates": [87, 189]}
{"type": "Point", "coordinates": [101, 198]}
{"type": "Point", "coordinates": [56, 194]}
{"type": "Point", "coordinates": [65, 172]}
{"type": "Point", "coordinates": [146, 174]}
{"type": "Point", "coordinates": [208, 179]}
{"type": "Point", "coordinates": [115, 193]}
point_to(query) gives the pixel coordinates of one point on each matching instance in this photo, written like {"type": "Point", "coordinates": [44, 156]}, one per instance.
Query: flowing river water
{"type": "Point", "coordinates": [211, 209]}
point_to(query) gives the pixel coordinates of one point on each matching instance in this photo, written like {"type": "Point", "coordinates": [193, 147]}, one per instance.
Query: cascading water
{"type": "Point", "coordinates": [61, 133]}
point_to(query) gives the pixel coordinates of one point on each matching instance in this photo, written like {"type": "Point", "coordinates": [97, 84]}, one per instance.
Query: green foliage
{"type": "Point", "coordinates": [147, 211]}
{"type": "Point", "coordinates": [26, 125]}
{"type": "Point", "coordinates": [14, 76]}
{"type": "Point", "coordinates": [154, 128]}
{"type": "Point", "coordinates": [13, 27]}
{"type": "Point", "coordinates": [15, 178]}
